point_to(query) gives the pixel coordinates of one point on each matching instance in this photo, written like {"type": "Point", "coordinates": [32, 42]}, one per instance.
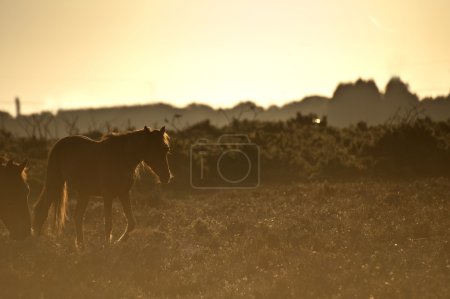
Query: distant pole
{"type": "Point", "coordinates": [17, 100]}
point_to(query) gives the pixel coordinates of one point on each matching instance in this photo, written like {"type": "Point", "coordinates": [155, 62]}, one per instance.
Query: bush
{"type": "Point", "coordinates": [410, 149]}
{"type": "Point", "coordinates": [297, 149]}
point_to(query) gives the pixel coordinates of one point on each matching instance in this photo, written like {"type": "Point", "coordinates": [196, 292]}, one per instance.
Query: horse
{"type": "Point", "coordinates": [14, 192]}
{"type": "Point", "coordinates": [104, 168]}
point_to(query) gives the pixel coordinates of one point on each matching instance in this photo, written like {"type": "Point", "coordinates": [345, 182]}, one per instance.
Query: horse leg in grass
{"type": "Point", "coordinates": [126, 205]}
{"type": "Point", "coordinates": [79, 218]}
{"type": "Point", "coordinates": [41, 213]}
{"type": "Point", "coordinates": [107, 205]}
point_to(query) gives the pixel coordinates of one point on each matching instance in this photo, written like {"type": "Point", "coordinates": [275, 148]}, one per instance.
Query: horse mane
{"type": "Point", "coordinates": [115, 135]}
{"type": "Point", "coordinates": [24, 175]}
{"type": "Point", "coordinates": [166, 139]}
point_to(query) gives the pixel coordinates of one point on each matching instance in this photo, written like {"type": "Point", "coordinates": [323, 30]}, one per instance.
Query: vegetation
{"type": "Point", "coordinates": [359, 239]}
{"type": "Point", "coordinates": [304, 147]}
{"type": "Point", "coordinates": [358, 212]}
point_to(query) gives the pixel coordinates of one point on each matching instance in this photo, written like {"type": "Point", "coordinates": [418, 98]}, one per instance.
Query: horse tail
{"type": "Point", "coordinates": [54, 192]}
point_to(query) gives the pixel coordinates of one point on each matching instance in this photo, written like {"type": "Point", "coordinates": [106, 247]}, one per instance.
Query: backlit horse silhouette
{"type": "Point", "coordinates": [99, 168]}
{"type": "Point", "coordinates": [14, 191]}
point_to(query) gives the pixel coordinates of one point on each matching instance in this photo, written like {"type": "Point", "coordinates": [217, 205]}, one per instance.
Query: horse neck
{"type": "Point", "coordinates": [133, 149]}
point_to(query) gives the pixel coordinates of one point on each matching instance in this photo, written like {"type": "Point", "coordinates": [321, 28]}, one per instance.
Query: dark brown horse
{"type": "Point", "coordinates": [103, 168]}
{"type": "Point", "coordinates": [14, 200]}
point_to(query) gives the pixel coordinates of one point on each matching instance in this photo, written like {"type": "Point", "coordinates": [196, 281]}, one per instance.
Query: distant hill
{"type": "Point", "coordinates": [350, 104]}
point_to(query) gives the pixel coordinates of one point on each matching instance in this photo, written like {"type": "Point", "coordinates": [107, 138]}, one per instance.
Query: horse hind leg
{"type": "Point", "coordinates": [79, 219]}
{"type": "Point", "coordinates": [131, 223]}
{"type": "Point", "coordinates": [52, 192]}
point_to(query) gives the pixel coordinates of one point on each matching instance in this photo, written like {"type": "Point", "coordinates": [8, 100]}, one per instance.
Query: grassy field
{"type": "Point", "coordinates": [353, 239]}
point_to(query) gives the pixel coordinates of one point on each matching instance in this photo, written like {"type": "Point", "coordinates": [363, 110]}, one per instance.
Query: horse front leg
{"type": "Point", "coordinates": [107, 205]}
{"type": "Point", "coordinates": [131, 223]}
{"type": "Point", "coordinates": [79, 219]}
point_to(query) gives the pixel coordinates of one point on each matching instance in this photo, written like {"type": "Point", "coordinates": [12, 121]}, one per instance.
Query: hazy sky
{"type": "Point", "coordinates": [56, 54]}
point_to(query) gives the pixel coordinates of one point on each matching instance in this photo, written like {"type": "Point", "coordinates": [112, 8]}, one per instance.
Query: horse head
{"type": "Point", "coordinates": [14, 200]}
{"type": "Point", "coordinates": [156, 151]}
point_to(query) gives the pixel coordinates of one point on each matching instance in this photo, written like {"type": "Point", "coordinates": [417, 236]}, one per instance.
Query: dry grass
{"type": "Point", "coordinates": [363, 239]}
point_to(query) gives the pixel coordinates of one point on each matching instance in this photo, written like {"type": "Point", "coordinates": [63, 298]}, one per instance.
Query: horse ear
{"type": "Point", "coordinates": [22, 166]}
{"type": "Point", "coordinates": [163, 130]}
{"type": "Point", "coordinates": [146, 129]}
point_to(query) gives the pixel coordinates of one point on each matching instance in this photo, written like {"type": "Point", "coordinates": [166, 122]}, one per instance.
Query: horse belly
{"type": "Point", "coordinates": [83, 175]}
{"type": "Point", "coordinates": [88, 183]}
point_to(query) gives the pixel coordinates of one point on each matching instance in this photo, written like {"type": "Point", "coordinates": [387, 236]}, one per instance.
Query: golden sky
{"type": "Point", "coordinates": [59, 54]}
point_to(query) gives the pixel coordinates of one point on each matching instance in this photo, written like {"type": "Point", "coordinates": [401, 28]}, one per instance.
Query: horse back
{"type": "Point", "coordinates": [75, 159]}
{"type": "Point", "coordinates": [79, 149]}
